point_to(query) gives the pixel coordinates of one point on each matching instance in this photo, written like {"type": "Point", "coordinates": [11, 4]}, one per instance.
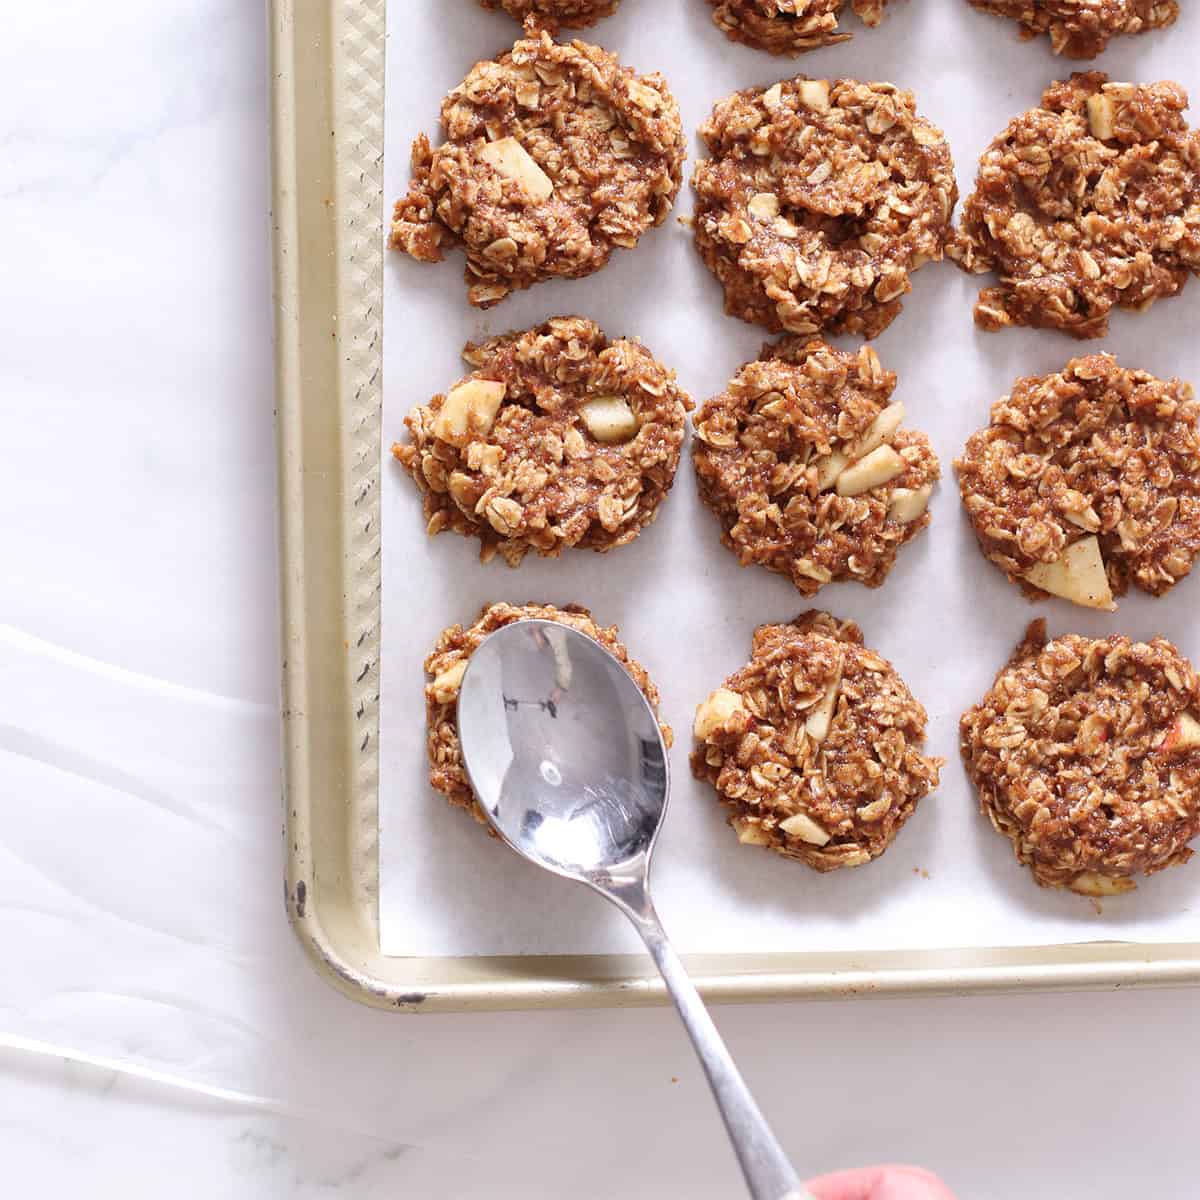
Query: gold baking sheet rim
{"type": "Point", "coordinates": [327, 62]}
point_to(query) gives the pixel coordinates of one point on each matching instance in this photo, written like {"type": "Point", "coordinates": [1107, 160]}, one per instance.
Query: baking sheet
{"type": "Point", "coordinates": [945, 617]}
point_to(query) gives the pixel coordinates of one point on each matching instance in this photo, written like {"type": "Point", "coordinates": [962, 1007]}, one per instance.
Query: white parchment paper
{"type": "Point", "coordinates": [945, 616]}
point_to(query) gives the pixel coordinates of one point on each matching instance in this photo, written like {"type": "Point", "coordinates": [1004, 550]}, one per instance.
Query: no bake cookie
{"type": "Point", "coordinates": [554, 155]}
{"type": "Point", "coordinates": [1086, 756]}
{"type": "Point", "coordinates": [790, 26]}
{"type": "Point", "coordinates": [1088, 480]}
{"type": "Point", "coordinates": [815, 745]}
{"type": "Point", "coordinates": [1082, 28]}
{"type": "Point", "coordinates": [1087, 203]}
{"type": "Point", "coordinates": [805, 464]}
{"type": "Point", "coordinates": [557, 438]}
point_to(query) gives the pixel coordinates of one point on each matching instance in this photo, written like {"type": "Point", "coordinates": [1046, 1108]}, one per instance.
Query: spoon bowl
{"type": "Point", "coordinates": [564, 753]}
{"type": "Point", "coordinates": [567, 761]}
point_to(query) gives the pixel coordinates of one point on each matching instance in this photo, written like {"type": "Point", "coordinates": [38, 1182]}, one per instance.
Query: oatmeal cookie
{"type": "Point", "coordinates": [1089, 202]}
{"type": "Point", "coordinates": [1082, 30]}
{"type": "Point", "coordinates": [557, 438]}
{"type": "Point", "coordinates": [1086, 481]}
{"type": "Point", "coordinates": [447, 663]}
{"type": "Point", "coordinates": [555, 14]}
{"type": "Point", "coordinates": [790, 26]}
{"type": "Point", "coordinates": [803, 462]}
{"type": "Point", "coordinates": [818, 200]}
{"type": "Point", "coordinates": [1086, 755]}
{"type": "Point", "coordinates": [815, 745]}
{"type": "Point", "coordinates": [554, 154]}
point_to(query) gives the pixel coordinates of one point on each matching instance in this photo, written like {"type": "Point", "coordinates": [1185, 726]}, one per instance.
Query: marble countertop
{"type": "Point", "coordinates": [159, 1026]}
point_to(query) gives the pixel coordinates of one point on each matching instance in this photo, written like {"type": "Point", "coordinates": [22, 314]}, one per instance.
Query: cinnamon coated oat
{"type": "Point", "coordinates": [818, 200]}
{"type": "Point", "coordinates": [557, 438]}
{"type": "Point", "coordinates": [1086, 756]}
{"type": "Point", "coordinates": [554, 155]}
{"type": "Point", "coordinates": [815, 745]}
{"type": "Point", "coordinates": [790, 26]}
{"type": "Point", "coordinates": [803, 461]}
{"type": "Point", "coordinates": [1082, 30]}
{"type": "Point", "coordinates": [1088, 480]}
{"type": "Point", "coordinates": [1089, 202]}
{"type": "Point", "coordinates": [447, 663]}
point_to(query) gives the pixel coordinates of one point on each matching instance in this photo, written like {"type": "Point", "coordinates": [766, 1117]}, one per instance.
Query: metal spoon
{"type": "Point", "coordinates": [567, 761]}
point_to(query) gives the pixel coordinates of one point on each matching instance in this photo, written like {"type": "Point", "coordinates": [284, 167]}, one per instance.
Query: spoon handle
{"type": "Point", "coordinates": [769, 1174]}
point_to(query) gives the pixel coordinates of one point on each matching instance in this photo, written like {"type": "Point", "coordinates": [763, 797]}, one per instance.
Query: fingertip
{"type": "Point", "coordinates": [893, 1181]}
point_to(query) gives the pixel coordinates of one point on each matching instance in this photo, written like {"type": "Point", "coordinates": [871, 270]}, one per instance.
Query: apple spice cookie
{"type": "Point", "coordinates": [557, 438]}
{"type": "Point", "coordinates": [447, 663]}
{"type": "Point", "coordinates": [790, 26]}
{"type": "Point", "coordinates": [1086, 756]}
{"type": "Point", "coordinates": [1086, 481]}
{"type": "Point", "coordinates": [555, 14]}
{"type": "Point", "coordinates": [1082, 30]}
{"type": "Point", "coordinates": [1089, 202]}
{"type": "Point", "coordinates": [819, 199]}
{"type": "Point", "coordinates": [554, 155]}
{"type": "Point", "coordinates": [803, 462]}
{"type": "Point", "coordinates": [815, 745]}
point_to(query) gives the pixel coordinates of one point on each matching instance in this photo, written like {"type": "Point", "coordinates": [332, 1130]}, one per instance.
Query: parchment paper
{"type": "Point", "coordinates": [945, 617]}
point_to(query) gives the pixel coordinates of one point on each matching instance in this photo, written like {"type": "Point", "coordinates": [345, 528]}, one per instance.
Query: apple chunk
{"type": "Point", "coordinates": [1089, 883]}
{"type": "Point", "coordinates": [468, 410]}
{"type": "Point", "coordinates": [609, 419]}
{"type": "Point", "coordinates": [805, 828]}
{"type": "Point", "coordinates": [820, 716]}
{"type": "Point", "coordinates": [829, 468]}
{"type": "Point", "coordinates": [814, 93]}
{"type": "Point", "coordinates": [909, 504]}
{"type": "Point", "coordinates": [879, 431]}
{"type": "Point", "coordinates": [513, 161]}
{"type": "Point", "coordinates": [881, 466]}
{"type": "Point", "coordinates": [716, 711]}
{"type": "Point", "coordinates": [1077, 575]}
{"type": "Point", "coordinates": [1184, 735]}
{"type": "Point", "coordinates": [1100, 112]}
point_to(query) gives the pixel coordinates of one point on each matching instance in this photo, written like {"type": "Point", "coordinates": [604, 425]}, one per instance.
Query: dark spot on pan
{"type": "Point", "coordinates": [413, 998]}
{"type": "Point", "coordinates": [301, 897]}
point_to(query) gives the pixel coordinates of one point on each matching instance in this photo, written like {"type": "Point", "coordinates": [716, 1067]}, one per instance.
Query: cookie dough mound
{"type": "Point", "coordinates": [554, 155]}
{"type": "Point", "coordinates": [803, 462]}
{"type": "Point", "coordinates": [1089, 202]}
{"type": "Point", "coordinates": [1082, 30]}
{"type": "Point", "coordinates": [789, 26]}
{"type": "Point", "coordinates": [447, 663]}
{"type": "Point", "coordinates": [1086, 481]}
{"type": "Point", "coordinates": [555, 14]}
{"type": "Point", "coordinates": [815, 745]}
{"type": "Point", "coordinates": [1086, 755]}
{"type": "Point", "coordinates": [557, 438]}
{"type": "Point", "coordinates": [819, 199]}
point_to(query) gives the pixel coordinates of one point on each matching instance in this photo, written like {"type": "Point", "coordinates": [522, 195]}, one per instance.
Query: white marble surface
{"type": "Point", "coordinates": [140, 913]}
